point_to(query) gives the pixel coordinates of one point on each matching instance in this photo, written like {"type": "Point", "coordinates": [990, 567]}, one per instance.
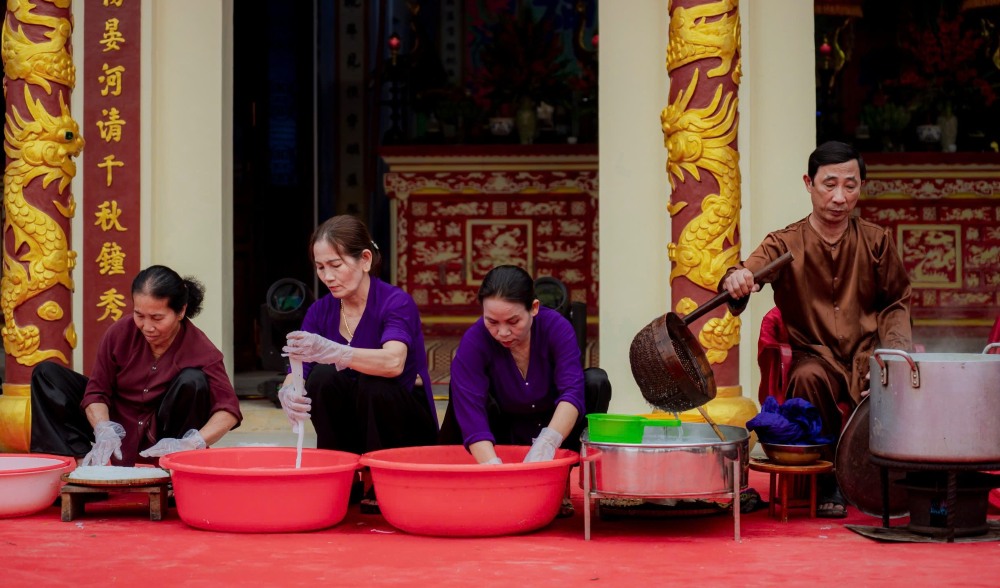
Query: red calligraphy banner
{"type": "Point", "coordinates": [111, 172]}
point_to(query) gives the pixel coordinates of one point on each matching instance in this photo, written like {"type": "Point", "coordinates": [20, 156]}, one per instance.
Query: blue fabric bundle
{"type": "Point", "coordinates": [796, 422]}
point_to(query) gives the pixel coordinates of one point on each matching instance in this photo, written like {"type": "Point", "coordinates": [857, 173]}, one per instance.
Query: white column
{"type": "Point", "coordinates": [634, 224]}
{"type": "Point", "coordinates": [777, 134]}
{"type": "Point", "coordinates": [188, 195]}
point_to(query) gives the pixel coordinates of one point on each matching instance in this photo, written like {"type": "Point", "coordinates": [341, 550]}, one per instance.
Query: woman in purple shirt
{"type": "Point", "coordinates": [367, 344]}
{"type": "Point", "coordinates": [516, 378]}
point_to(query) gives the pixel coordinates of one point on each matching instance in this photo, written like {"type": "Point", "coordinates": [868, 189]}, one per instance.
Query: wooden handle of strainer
{"type": "Point", "coordinates": [724, 297]}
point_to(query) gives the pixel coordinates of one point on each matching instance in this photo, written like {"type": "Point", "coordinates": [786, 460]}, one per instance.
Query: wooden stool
{"type": "Point", "coordinates": [783, 476]}
{"type": "Point", "coordinates": [73, 498]}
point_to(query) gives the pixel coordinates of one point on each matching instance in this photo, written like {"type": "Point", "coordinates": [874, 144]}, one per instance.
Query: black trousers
{"type": "Point", "coordinates": [358, 413]}
{"type": "Point", "coordinates": [510, 429]}
{"type": "Point", "coordinates": [59, 424]}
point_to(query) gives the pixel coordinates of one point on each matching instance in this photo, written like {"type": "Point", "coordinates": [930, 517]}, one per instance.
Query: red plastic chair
{"type": "Point", "coordinates": [995, 337]}
{"type": "Point", "coordinates": [774, 357]}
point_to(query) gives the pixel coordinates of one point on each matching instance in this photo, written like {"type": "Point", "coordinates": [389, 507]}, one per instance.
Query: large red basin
{"type": "Point", "coordinates": [442, 491]}
{"type": "Point", "coordinates": [29, 482]}
{"type": "Point", "coordinates": [258, 489]}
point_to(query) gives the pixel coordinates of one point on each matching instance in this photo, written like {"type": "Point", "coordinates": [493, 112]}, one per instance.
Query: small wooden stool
{"type": "Point", "coordinates": [782, 477]}
{"type": "Point", "coordinates": [73, 498]}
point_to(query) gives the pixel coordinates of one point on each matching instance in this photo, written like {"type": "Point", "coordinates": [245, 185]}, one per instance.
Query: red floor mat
{"type": "Point", "coordinates": [115, 544]}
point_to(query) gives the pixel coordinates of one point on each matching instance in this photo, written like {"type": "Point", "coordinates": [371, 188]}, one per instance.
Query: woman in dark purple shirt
{"type": "Point", "coordinates": [367, 344]}
{"type": "Point", "coordinates": [158, 384]}
{"type": "Point", "coordinates": [516, 377]}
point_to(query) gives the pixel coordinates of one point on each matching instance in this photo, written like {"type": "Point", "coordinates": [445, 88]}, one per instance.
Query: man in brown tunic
{"type": "Point", "coordinates": [845, 294]}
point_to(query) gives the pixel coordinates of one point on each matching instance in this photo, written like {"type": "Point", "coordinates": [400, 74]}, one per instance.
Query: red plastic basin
{"type": "Point", "coordinates": [258, 489]}
{"type": "Point", "coordinates": [29, 482]}
{"type": "Point", "coordinates": [442, 491]}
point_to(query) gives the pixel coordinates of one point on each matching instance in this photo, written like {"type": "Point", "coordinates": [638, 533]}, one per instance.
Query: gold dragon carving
{"type": "Point", "coordinates": [38, 63]}
{"type": "Point", "coordinates": [698, 140]}
{"type": "Point", "coordinates": [38, 147]}
{"type": "Point", "coordinates": [718, 335]}
{"type": "Point", "coordinates": [694, 37]}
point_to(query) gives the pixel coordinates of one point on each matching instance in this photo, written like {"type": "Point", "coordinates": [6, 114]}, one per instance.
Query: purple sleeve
{"type": "Point", "coordinates": [321, 320]}
{"type": "Point", "coordinates": [398, 318]}
{"type": "Point", "coordinates": [470, 385]}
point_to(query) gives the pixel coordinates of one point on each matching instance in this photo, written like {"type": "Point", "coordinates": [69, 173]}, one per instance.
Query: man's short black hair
{"type": "Point", "coordinates": [833, 152]}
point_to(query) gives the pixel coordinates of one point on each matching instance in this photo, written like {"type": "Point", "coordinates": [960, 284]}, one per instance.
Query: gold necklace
{"type": "Point", "coordinates": [347, 325]}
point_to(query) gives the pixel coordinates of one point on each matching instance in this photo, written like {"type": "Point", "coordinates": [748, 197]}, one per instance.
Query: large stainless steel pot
{"type": "Point", "coordinates": [696, 464]}
{"type": "Point", "coordinates": [935, 407]}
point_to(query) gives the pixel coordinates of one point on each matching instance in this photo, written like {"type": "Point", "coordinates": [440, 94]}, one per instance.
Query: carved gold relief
{"type": "Point", "coordinates": [698, 139]}
{"type": "Point", "coordinates": [50, 311]}
{"type": "Point", "coordinates": [699, 132]}
{"type": "Point", "coordinates": [718, 336]}
{"type": "Point", "coordinates": [38, 63]}
{"type": "Point", "coordinates": [705, 31]}
{"type": "Point", "coordinates": [71, 335]}
{"type": "Point", "coordinates": [685, 306]}
{"type": "Point", "coordinates": [39, 147]}
{"type": "Point", "coordinates": [40, 139]}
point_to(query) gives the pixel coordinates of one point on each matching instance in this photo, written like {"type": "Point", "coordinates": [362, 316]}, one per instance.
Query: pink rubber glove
{"type": "Point", "coordinates": [545, 445]}
{"type": "Point", "coordinates": [108, 437]}
{"type": "Point", "coordinates": [191, 440]}
{"type": "Point", "coordinates": [310, 347]}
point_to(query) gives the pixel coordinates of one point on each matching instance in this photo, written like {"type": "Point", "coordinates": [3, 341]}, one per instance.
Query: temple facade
{"type": "Point", "coordinates": [179, 164]}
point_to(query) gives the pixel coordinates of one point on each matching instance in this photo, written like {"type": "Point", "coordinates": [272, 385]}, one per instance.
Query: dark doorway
{"type": "Point", "coordinates": [273, 159]}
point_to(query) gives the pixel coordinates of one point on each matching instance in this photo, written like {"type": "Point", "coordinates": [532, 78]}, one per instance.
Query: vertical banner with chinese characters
{"type": "Point", "coordinates": [110, 211]}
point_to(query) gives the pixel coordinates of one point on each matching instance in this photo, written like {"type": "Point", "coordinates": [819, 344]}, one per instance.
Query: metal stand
{"type": "Point", "coordinates": [951, 491]}
{"type": "Point", "coordinates": [590, 495]}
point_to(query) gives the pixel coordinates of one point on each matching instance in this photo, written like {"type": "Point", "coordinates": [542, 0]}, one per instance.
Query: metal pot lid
{"type": "Point", "coordinates": [860, 479]}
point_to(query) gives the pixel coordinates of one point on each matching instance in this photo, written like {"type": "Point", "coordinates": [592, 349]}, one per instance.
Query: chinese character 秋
{"type": "Point", "coordinates": [111, 127]}
{"type": "Point", "coordinates": [107, 216]}
{"type": "Point", "coordinates": [113, 302]}
{"type": "Point", "coordinates": [111, 260]}
{"type": "Point", "coordinates": [110, 162]}
{"type": "Point", "coordinates": [112, 79]}
{"type": "Point", "coordinates": [112, 38]}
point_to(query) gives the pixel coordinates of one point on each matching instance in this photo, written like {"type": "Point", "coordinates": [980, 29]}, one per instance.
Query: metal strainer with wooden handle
{"type": "Point", "coordinates": [669, 364]}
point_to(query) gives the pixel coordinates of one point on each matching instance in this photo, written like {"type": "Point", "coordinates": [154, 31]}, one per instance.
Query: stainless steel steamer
{"type": "Point", "coordinates": [935, 407]}
{"type": "Point", "coordinates": [697, 464]}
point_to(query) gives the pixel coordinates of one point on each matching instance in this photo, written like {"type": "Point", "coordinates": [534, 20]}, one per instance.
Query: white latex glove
{"type": "Point", "coordinates": [493, 461]}
{"type": "Point", "coordinates": [295, 405]}
{"type": "Point", "coordinates": [545, 445]}
{"type": "Point", "coordinates": [108, 437]}
{"type": "Point", "coordinates": [191, 440]}
{"type": "Point", "coordinates": [310, 347]}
